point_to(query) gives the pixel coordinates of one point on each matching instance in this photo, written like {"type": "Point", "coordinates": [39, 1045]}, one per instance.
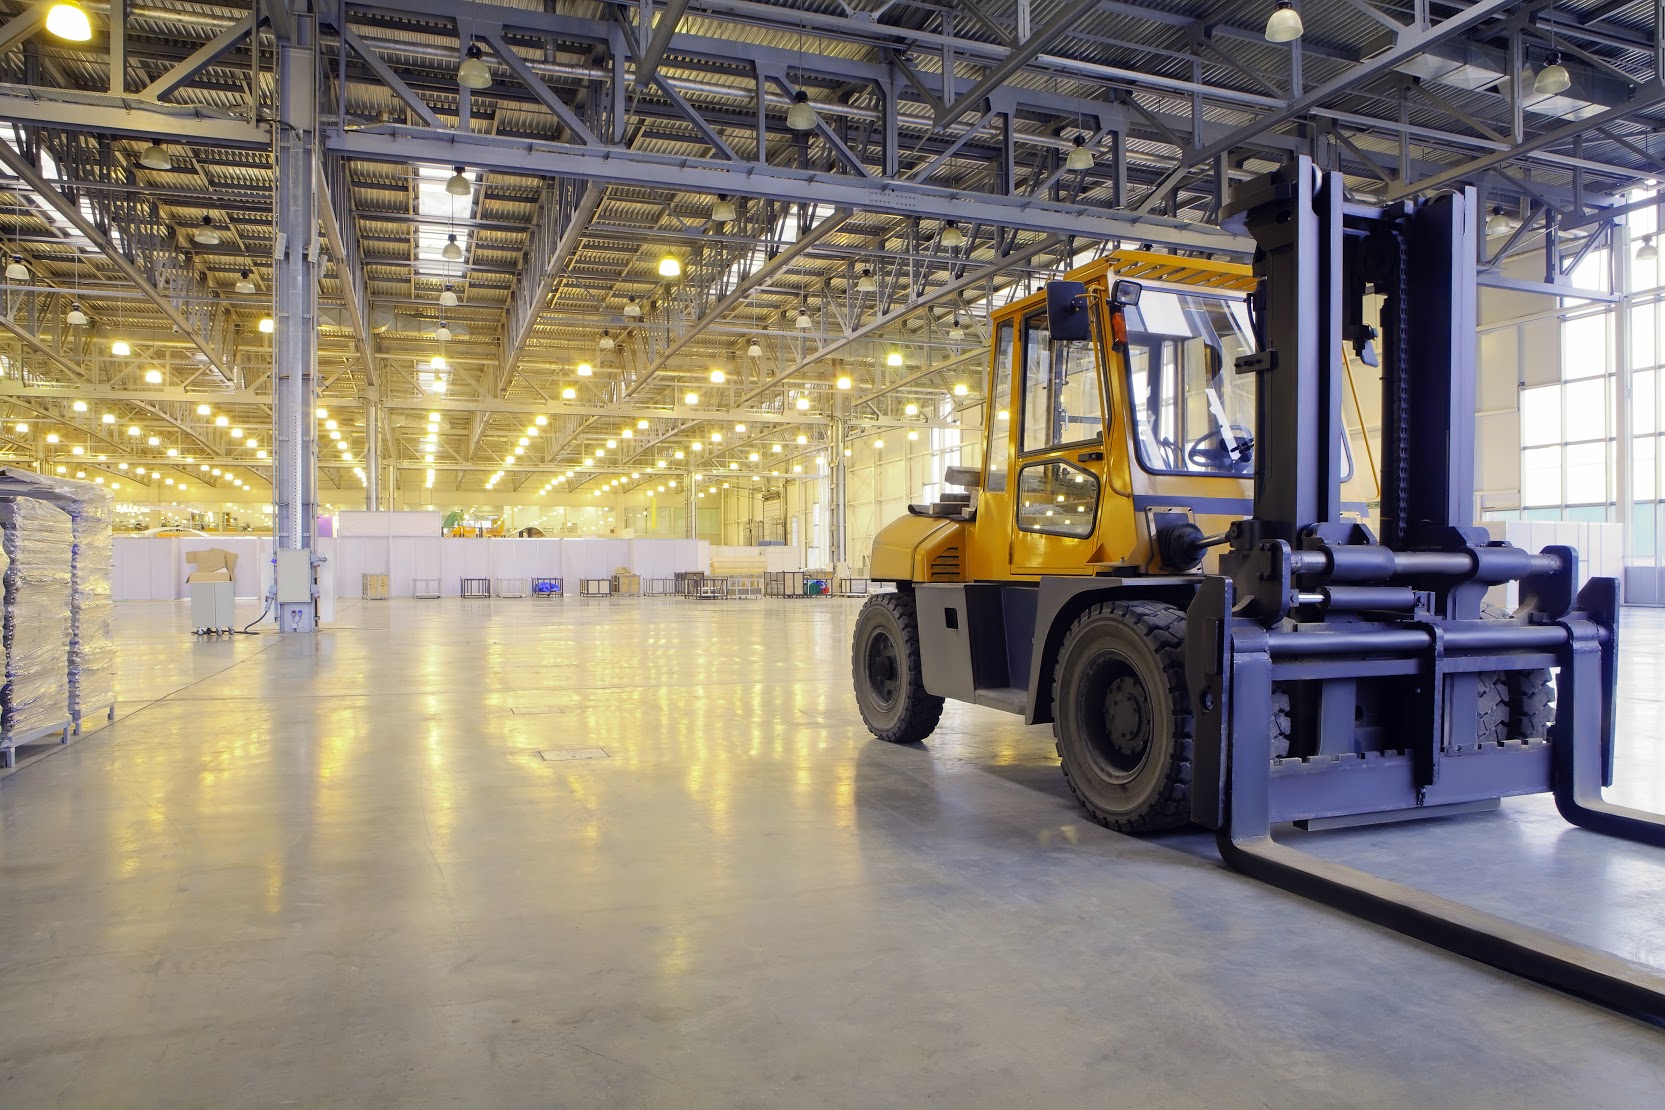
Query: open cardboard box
{"type": "Point", "coordinates": [211, 565]}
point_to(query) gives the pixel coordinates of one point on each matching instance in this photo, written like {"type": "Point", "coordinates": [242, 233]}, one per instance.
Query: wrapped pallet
{"type": "Point", "coordinates": [35, 698]}
{"type": "Point", "coordinates": [92, 646]}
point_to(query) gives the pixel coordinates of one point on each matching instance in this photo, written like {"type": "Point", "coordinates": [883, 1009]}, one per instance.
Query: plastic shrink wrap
{"type": "Point", "coordinates": [37, 541]}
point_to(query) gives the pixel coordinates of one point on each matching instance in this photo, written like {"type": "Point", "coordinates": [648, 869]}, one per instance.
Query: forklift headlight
{"type": "Point", "coordinates": [1126, 293]}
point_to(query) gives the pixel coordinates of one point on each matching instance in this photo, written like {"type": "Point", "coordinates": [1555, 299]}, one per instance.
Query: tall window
{"type": "Point", "coordinates": [1647, 353]}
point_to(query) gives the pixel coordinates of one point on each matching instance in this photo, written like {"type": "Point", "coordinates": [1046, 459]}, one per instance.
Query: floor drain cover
{"type": "Point", "coordinates": [555, 755]}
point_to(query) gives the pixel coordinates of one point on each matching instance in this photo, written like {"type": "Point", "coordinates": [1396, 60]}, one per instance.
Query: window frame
{"type": "Point", "coordinates": [991, 409]}
{"type": "Point", "coordinates": [1101, 381]}
{"type": "Point", "coordinates": [1017, 494]}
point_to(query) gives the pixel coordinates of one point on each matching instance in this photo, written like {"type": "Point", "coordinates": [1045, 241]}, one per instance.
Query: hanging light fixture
{"type": "Point", "coordinates": [844, 382]}
{"type": "Point", "coordinates": [1553, 78]}
{"type": "Point", "coordinates": [205, 235]}
{"type": "Point", "coordinates": [718, 377]}
{"type": "Point", "coordinates": [452, 250]}
{"type": "Point", "coordinates": [16, 270]}
{"type": "Point", "coordinates": [866, 283]}
{"type": "Point", "coordinates": [1500, 222]}
{"type": "Point", "coordinates": [670, 267]}
{"type": "Point", "coordinates": [267, 325]}
{"type": "Point", "coordinates": [1080, 158]}
{"type": "Point", "coordinates": [952, 236]}
{"type": "Point", "coordinates": [1284, 24]}
{"type": "Point", "coordinates": [244, 285]}
{"type": "Point", "coordinates": [568, 393]}
{"type": "Point", "coordinates": [458, 184]}
{"type": "Point", "coordinates": [75, 318]}
{"type": "Point", "coordinates": [437, 363]}
{"type": "Point", "coordinates": [448, 297]}
{"type": "Point", "coordinates": [606, 342]}
{"type": "Point", "coordinates": [155, 157]}
{"type": "Point", "coordinates": [957, 331]}
{"type": "Point", "coordinates": [1647, 252]}
{"type": "Point", "coordinates": [893, 358]}
{"type": "Point", "coordinates": [723, 211]}
{"type": "Point", "coordinates": [585, 370]}
{"type": "Point", "coordinates": [632, 310]}
{"type": "Point", "coordinates": [121, 348]}
{"type": "Point", "coordinates": [801, 116]}
{"type": "Point", "coordinates": [69, 22]}
{"type": "Point", "coordinates": [442, 333]}
{"type": "Point", "coordinates": [473, 73]}
{"type": "Point", "coordinates": [803, 320]}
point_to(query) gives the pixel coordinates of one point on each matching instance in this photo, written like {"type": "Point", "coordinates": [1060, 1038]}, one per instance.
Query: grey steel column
{"type": "Point", "coordinates": [1624, 355]}
{"type": "Point", "coordinates": [838, 537]}
{"type": "Point", "coordinates": [372, 453]}
{"type": "Point", "coordinates": [295, 338]}
{"type": "Point", "coordinates": [693, 497]}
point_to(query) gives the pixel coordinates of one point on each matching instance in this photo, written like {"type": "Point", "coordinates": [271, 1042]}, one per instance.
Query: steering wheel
{"type": "Point", "coordinates": [1214, 452]}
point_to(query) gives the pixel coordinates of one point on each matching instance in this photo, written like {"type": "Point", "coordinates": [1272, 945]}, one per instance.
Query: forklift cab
{"type": "Point", "coordinates": [1114, 411]}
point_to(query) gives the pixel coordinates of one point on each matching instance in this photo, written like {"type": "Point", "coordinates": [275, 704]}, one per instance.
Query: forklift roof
{"type": "Point", "coordinates": [1151, 267]}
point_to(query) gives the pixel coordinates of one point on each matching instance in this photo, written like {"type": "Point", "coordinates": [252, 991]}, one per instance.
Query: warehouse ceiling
{"type": "Point", "coordinates": [839, 259]}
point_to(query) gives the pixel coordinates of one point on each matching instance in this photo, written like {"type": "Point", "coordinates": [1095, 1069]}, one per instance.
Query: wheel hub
{"type": "Point", "coordinates": [884, 669]}
{"type": "Point", "coordinates": [1127, 716]}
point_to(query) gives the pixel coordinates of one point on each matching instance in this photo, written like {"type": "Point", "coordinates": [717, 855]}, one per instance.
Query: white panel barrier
{"type": "Point", "coordinates": [150, 569]}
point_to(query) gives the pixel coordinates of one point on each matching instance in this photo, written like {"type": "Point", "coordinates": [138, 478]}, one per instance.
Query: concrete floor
{"type": "Point", "coordinates": [336, 871]}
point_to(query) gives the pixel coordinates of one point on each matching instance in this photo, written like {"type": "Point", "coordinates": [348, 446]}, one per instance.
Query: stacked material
{"type": "Point", "coordinates": [37, 541]}
{"type": "Point", "coordinates": [92, 647]}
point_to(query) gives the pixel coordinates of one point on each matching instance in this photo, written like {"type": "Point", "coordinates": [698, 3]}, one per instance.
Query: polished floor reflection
{"type": "Point", "coordinates": [642, 853]}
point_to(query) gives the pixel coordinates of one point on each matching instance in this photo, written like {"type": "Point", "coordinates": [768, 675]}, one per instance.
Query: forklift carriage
{"type": "Point", "coordinates": [1166, 556]}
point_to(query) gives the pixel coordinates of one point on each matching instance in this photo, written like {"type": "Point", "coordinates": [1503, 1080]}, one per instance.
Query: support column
{"type": "Point", "coordinates": [372, 453]}
{"type": "Point", "coordinates": [1624, 357]}
{"type": "Point", "coordinates": [693, 498]}
{"type": "Point", "coordinates": [838, 537]}
{"type": "Point", "coordinates": [295, 337]}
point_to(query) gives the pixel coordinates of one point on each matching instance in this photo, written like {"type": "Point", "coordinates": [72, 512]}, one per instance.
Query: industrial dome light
{"type": "Point", "coordinates": [718, 377]}
{"type": "Point", "coordinates": [442, 333]}
{"type": "Point", "coordinates": [69, 22]}
{"type": "Point", "coordinates": [458, 184]}
{"type": "Point", "coordinates": [865, 283]}
{"type": "Point", "coordinates": [569, 394]}
{"type": "Point", "coordinates": [632, 310]}
{"type": "Point", "coordinates": [723, 211]}
{"type": "Point", "coordinates": [267, 325]}
{"type": "Point", "coordinates": [75, 318]}
{"type": "Point", "coordinates": [690, 398]}
{"type": "Point", "coordinates": [448, 297]}
{"type": "Point", "coordinates": [473, 73]}
{"type": "Point", "coordinates": [1285, 23]}
{"type": "Point", "coordinates": [452, 250]}
{"type": "Point", "coordinates": [755, 350]}
{"type": "Point", "coordinates": [155, 157]}
{"type": "Point", "coordinates": [16, 270]}
{"type": "Point", "coordinates": [893, 358]}
{"type": "Point", "coordinates": [801, 116]}
{"type": "Point", "coordinates": [585, 370]}
{"type": "Point", "coordinates": [910, 409]}
{"type": "Point", "coordinates": [244, 285]}
{"type": "Point", "coordinates": [803, 320]}
{"type": "Point", "coordinates": [1500, 222]}
{"type": "Point", "coordinates": [961, 389]}
{"type": "Point", "coordinates": [205, 235]}
{"type": "Point", "coordinates": [1647, 252]}
{"type": "Point", "coordinates": [844, 381]}
{"type": "Point", "coordinates": [803, 404]}
{"type": "Point", "coordinates": [670, 267]}
{"type": "Point", "coordinates": [1080, 158]}
{"type": "Point", "coordinates": [606, 343]}
{"type": "Point", "coordinates": [952, 236]}
{"type": "Point", "coordinates": [957, 331]}
{"type": "Point", "coordinates": [1553, 78]}
{"type": "Point", "coordinates": [121, 348]}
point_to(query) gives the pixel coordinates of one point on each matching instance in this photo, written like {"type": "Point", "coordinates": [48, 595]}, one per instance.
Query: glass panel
{"type": "Point", "coordinates": [999, 412]}
{"type": "Point", "coordinates": [1540, 476]}
{"type": "Point", "coordinates": [1641, 401]}
{"type": "Point", "coordinates": [1641, 330]}
{"type": "Point", "coordinates": [1193, 412]}
{"type": "Point", "coordinates": [1540, 415]}
{"type": "Point", "coordinates": [1641, 468]}
{"type": "Point", "coordinates": [1587, 514]}
{"type": "Point", "coordinates": [1057, 498]}
{"type": "Point", "coordinates": [1586, 473]}
{"type": "Point", "coordinates": [1642, 526]}
{"type": "Point", "coordinates": [1584, 345]}
{"type": "Point", "coordinates": [1060, 390]}
{"type": "Point", "coordinates": [1586, 407]}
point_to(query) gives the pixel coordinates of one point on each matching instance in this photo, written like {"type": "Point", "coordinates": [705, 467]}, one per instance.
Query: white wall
{"type": "Point", "coordinates": [1518, 346]}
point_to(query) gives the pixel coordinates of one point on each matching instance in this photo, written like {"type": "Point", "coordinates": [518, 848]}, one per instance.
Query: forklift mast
{"type": "Point", "coordinates": [1316, 608]}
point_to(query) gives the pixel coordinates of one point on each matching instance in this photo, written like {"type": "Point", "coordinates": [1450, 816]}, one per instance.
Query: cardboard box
{"type": "Point", "coordinates": [212, 564]}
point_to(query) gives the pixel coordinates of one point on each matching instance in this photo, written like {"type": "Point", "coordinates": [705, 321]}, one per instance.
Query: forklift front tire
{"type": "Point", "coordinates": [884, 663]}
{"type": "Point", "coordinates": [1122, 716]}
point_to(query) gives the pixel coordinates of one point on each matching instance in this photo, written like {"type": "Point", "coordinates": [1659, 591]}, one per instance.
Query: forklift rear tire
{"type": "Point", "coordinates": [884, 661]}
{"type": "Point", "coordinates": [1122, 715]}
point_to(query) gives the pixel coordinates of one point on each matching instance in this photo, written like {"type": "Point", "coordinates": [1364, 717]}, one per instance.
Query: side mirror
{"type": "Point", "coordinates": [1125, 294]}
{"type": "Point", "coordinates": [1067, 314]}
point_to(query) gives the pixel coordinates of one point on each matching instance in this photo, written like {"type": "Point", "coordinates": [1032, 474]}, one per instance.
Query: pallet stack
{"type": "Point", "coordinates": [92, 645]}
{"type": "Point", "coordinates": [34, 701]}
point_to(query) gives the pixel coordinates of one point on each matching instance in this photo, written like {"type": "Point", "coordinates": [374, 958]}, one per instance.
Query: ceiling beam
{"type": "Point", "coordinates": [1024, 53]}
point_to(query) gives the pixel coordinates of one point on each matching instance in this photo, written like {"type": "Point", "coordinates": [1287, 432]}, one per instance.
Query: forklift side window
{"type": "Point", "coordinates": [1057, 498]}
{"type": "Point", "coordinates": [998, 415]}
{"type": "Point", "coordinates": [1060, 389]}
{"type": "Point", "coordinates": [1193, 413]}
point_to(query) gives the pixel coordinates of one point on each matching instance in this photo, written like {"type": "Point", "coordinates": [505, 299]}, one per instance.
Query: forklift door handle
{"type": "Point", "coordinates": [1090, 456]}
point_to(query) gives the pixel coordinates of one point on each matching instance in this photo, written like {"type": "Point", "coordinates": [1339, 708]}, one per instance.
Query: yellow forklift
{"type": "Point", "coordinates": [1167, 556]}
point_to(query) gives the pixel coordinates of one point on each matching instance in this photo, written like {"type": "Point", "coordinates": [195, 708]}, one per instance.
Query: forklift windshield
{"type": "Point", "coordinates": [1193, 413]}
